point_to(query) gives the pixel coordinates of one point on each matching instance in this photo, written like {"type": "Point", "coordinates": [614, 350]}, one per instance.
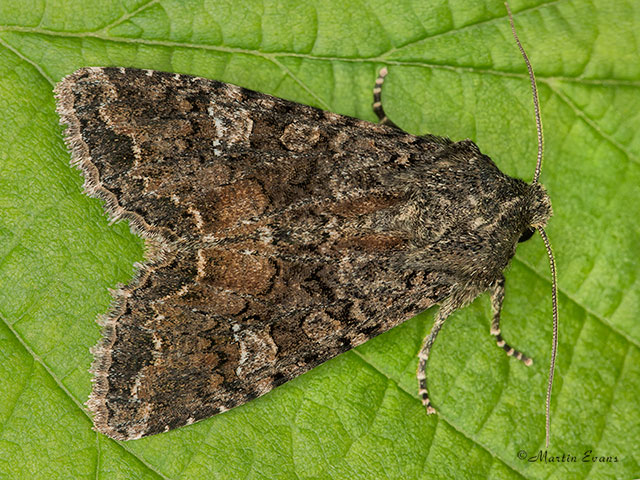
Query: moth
{"type": "Point", "coordinates": [277, 236]}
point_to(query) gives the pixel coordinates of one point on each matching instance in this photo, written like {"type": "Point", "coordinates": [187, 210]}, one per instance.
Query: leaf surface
{"type": "Point", "coordinates": [454, 71]}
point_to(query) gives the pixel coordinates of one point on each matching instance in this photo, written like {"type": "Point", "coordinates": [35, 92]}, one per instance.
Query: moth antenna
{"type": "Point", "coordinates": [534, 90]}
{"type": "Point", "coordinates": [547, 244]}
{"type": "Point", "coordinates": [554, 349]}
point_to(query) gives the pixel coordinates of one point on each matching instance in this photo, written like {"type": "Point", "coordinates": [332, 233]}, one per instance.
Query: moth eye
{"type": "Point", "coordinates": [526, 235]}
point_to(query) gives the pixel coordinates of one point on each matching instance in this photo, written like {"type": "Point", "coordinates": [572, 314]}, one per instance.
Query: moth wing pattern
{"type": "Point", "coordinates": [277, 236]}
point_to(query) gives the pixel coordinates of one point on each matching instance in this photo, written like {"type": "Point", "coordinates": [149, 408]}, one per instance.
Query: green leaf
{"type": "Point", "coordinates": [455, 71]}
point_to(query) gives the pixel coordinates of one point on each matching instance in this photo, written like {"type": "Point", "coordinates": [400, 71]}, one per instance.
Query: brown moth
{"type": "Point", "coordinates": [277, 237]}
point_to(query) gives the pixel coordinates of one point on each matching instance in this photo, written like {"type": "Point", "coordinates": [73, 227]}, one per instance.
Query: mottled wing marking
{"type": "Point", "coordinates": [277, 235]}
{"type": "Point", "coordinates": [270, 244]}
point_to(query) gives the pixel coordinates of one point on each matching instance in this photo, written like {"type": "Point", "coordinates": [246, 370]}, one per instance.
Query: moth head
{"type": "Point", "coordinates": [539, 210]}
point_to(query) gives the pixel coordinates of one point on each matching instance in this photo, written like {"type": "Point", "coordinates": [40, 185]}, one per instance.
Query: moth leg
{"type": "Point", "coordinates": [497, 296]}
{"type": "Point", "coordinates": [377, 101]}
{"type": "Point", "coordinates": [443, 313]}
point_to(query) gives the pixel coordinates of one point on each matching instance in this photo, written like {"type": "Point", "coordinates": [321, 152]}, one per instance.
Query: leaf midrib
{"type": "Point", "coordinates": [381, 58]}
